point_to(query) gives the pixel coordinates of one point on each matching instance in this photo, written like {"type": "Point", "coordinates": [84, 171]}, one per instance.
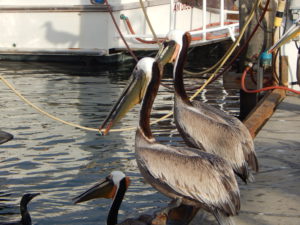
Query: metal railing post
{"type": "Point", "coordinates": [222, 13]}
{"type": "Point", "coordinates": [172, 15]}
{"type": "Point", "coordinates": [204, 19]}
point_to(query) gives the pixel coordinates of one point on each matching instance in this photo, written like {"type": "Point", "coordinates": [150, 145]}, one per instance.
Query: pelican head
{"type": "Point", "coordinates": [105, 188]}
{"type": "Point", "coordinates": [176, 35]}
{"type": "Point", "coordinates": [179, 38]}
{"type": "Point", "coordinates": [135, 91]}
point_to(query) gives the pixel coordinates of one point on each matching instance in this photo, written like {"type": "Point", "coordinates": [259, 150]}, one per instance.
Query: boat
{"type": "Point", "coordinates": [43, 30]}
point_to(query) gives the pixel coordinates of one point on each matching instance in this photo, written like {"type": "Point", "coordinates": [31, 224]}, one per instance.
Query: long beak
{"type": "Point", "coordinates": [166, 54]}
{"type": "Point", "coordinates": [136, 88]}
{"type": "Point", "coordinates": [103, 189]}
{"type": "Point", "coordinates": [132, 95]}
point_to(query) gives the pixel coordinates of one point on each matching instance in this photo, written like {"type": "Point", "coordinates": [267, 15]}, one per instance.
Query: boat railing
{"type": "Point", "coordinates": [230, 26]}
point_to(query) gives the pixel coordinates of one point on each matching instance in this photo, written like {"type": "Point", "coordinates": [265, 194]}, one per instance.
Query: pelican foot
{"type": "Point", "coordinates": [163, 214]}
{"type": "Point", "coordinates": [160, 219]}
{"type": "Point", "coordinates": [182, 215]}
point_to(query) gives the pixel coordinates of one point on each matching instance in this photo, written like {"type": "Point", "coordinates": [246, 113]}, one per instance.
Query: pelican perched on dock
{"type": "Point", "coordinates": [186, 175]}
{"type": "Point", "coordinates": [114, 186]}
{"type": "Point", "coordinates": [25, 216]}
{"type": "Point", "coordinates": [205, 127]}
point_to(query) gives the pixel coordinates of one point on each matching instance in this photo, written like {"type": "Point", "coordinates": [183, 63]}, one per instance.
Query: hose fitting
{"type": "Point", "coordinates": [279, 13]}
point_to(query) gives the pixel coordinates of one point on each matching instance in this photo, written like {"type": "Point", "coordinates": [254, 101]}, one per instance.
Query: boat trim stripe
{"type": "Point", "coordinates": [79, 8]}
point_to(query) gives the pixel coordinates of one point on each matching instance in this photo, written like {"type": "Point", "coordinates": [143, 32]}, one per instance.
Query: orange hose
{"type": "Point", "coordinates": [213, 25]}
{"type": "Point", "coordinates": [262, 89]}
{"type": "Point", "coordinates": [119, 31]}
{"type": "Point", "coordinates": [139, 39]}
{"type": "Point", "coordinates": [209, 36]}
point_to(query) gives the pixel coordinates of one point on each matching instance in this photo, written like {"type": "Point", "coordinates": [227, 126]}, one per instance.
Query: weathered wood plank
{"type": "Point", "coordinates": [263, 111]}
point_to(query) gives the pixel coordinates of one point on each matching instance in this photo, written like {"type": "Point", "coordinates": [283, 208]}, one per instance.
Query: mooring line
{"type": "Point", "coordinates": [230, 51]}
{"type": "Point", "coordinates": [24, 99]}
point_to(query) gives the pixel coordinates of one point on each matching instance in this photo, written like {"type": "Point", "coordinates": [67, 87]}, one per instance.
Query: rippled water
{"type": "Point", "coordinates": [60, 161]}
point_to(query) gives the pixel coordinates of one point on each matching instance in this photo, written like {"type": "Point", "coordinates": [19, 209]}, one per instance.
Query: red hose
{"type": "Point", "coordinates": [139, 39]}
{"type": "Point", "coordinates": [245, 44]}
{"type": "Point", "coordinates": [119, 31]}
{"type": "Point", "coordinates": [209, 36]}
{"type": "Point", "coordinates": [262, 89]}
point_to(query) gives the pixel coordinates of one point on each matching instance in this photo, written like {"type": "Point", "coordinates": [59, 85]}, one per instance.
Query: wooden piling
{"type": "Point", "coordinates": [261, 40]}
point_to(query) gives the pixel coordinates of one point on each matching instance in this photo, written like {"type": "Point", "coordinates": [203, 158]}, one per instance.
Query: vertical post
{"type": "Point", "coordinates": [259, 79]}
{"type": "Point", "coordinates": [204, 19]}
{"type": "Point", "coordinates": [260, 76]}
{"type": "Point", "coordinates": [298, 67]}
{"type": "Point", "coordinates": [222, 13]}
{"type": "Point", "coordinates": [260, 41]}
{"type": "Point", "coordinates": [284, 70]}
{"type": "Point", "coordinates": [172, 15]}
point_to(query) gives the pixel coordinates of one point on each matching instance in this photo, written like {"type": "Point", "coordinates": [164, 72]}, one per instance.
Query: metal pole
{"type": "Point", "coordinates": [204, 19]}
{"type": "Point", "coordinates": [172, 15]}
{"type": "Point", "coordinates": [222, 13]}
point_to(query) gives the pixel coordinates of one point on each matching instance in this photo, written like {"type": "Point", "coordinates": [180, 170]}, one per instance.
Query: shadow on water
{"type": "Point", "coordinates": [60, 161]}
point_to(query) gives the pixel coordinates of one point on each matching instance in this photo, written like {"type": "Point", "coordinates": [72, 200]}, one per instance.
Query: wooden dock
{"type": "Point", "coordinates": [274, 197]}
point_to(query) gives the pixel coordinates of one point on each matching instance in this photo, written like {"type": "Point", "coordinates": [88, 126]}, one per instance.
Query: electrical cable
{"type": "Point", "coordinates": [119, 31]}
{"type": "Point", "coordinates": [128, 23]}
{"type": "Point", "coordinates": [237, 41]}
{"type": "Point", "coordinates": [226, 56]}
{"type": "Point", "coordinates": [149, 23]}
{"type": "Point", "coordinates": [244, 88]}
{"type": "Point", "coordinates": [262, 26]}
{"type": "Point", "coordinates": [245, 44]}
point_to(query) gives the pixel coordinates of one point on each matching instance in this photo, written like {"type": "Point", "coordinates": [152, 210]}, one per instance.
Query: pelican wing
{"type": "Point", "coordinates": [202, 177]}
{"type": "Point", "coordinates": [212, 132]}
{"type": "Point", "coordinates": [241, 131]}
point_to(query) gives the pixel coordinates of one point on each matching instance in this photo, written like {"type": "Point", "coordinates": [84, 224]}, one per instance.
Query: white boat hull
{"type": "Point", "coordinates": [76, 27]}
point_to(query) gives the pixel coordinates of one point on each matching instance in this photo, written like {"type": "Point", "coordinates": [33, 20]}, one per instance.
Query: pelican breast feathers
{"type": "Point", "coordinates": [199, 177]}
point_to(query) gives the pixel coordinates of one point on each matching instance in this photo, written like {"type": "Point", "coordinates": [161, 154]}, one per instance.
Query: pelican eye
{"type": "Point", "coordinates": [109, 177]}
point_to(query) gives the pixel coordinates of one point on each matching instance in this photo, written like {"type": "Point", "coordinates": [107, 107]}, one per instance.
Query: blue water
{"type": "Point", "coordinates": [60, 161]}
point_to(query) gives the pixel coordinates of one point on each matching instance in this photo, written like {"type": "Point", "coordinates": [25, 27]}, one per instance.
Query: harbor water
{"type": "Point", "coordinates": [60, 161]}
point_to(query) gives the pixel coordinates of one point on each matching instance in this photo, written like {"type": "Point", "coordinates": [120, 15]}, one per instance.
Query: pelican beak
{"type": "Point", "coordinates": [167, 53]}
{"type": "Point", "coordinates": [132, 95]}
{"type": "Point", "coordinates": [103, 189]}
{"type": "Point", "coordinates": [175, 53]}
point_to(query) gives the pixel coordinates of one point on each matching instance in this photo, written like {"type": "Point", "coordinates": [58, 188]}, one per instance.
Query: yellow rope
{"type": "Point", "coordinates": [230, 51]}
{"type": "Point", "coordinates": [10, 86]}
{"type": "Point", "coordinates": [149, 23]}
{"type": "Point", "coordinates": [227, 55]}
{"type": "Point", "coordinates": [41, 110]}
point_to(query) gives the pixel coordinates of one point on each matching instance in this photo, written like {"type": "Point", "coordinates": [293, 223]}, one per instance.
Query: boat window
{"type": "Point", "coordinates": [97, 1]}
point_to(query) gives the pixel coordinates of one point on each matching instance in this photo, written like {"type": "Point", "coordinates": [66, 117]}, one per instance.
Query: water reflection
{"type": "Point", "coordinates": [61, 161]}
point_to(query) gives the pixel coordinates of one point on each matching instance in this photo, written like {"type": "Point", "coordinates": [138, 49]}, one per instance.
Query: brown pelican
{"type": "Point", "coordinates": [25, 217]}
{"type": "Point", "coordinates": [205, 127]}
{"type": "Point", "coordinates": [113, 186]}
{"type": "Point", "coordinates": [5, 137]}
{"type": "Point", "coordinates": [197, 179]}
